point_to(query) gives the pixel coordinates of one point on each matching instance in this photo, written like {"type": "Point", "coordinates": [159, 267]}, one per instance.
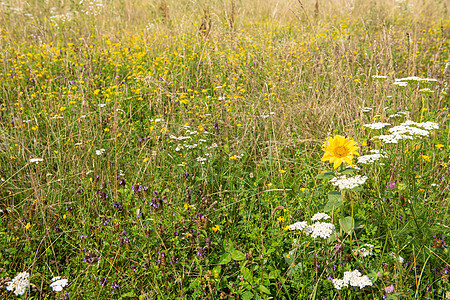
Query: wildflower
{"type": "Point", "coordinates": [370, 158]}
{"type": "Point", "coordinates": [28, 226]}
{"type": "Point", "coordinates": [99, 152]}
{"type": "Point", "coordinates": [320, 216]}
{"type": "Point", "coordinates": [391, 185]}
{"type": "Point", "coordinates": [36, 160]}
{"type": "Point", "coordinates": [58, 284]}
{"type": "Point", "coordinates": [348, 183]}
{"type": "Point", "coordinates": [339, 149]}
{"type": "Point", "coordinates": [19, 284]}
{"type": "Point", "coordinates": [201, 159]}
{"type": "Point", "coordinates": [298, 225]}
{"type": "Point", "coordinates": [426, 158]}
{"type": "Point", "coordinates": [364, 251]}
{"type": "Point", "coordinates": [389, 289]}
{"type": "Point", "coordinates": [320, 229]}
{"type": "Point", "coordinates": [215, 228]}
{"type": "Point", "coordinates": [378, 125]}
{"type": "Point", "coordinates": [353, 278]}
{"type": "Point", "coordinates": [439, 146]}
{"type": "Point", "coordinates": [394, 138]}
{"type": "Point", "coordinates": [399, 258]}
{"type": "Point", "coordinates": [404, 129]}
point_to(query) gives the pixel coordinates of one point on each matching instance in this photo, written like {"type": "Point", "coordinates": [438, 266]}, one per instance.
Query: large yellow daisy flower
{"type": "Point", "coordinates": [339, 149]}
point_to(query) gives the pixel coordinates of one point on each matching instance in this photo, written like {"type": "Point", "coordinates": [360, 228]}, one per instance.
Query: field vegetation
{"type": "Point", "coordinates": [232, 149]}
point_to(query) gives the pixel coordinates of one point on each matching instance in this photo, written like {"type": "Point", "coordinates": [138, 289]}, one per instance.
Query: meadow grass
{"type": "Point", "coordinates": [169, 149]}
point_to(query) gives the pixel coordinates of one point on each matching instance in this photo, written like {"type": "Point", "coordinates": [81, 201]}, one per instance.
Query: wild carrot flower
{"type": "Point", "coordinates": [58, 284]}
{"type": "Point", "coordinates": [339, 149]}
{"type": "Point", "coordinates": [19, 284]}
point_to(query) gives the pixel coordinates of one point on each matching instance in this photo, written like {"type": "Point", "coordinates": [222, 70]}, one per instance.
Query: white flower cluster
{"type": "Point", "coordinates": [298, 225]}
{"type": "Point", "coordinates": [100, 152]}
{"type": "Point", "coordinates": [378, 125]}
{"type": "Point", "coordinates": [318, 229]}
{"type": "Point", "coordinates": [348, 183]}
{"type": "Point", "coordinates": [63, 18]}
{"type": "Point", "coordinates": [353, 278]}
{"type": "Point", "coordinates": [36, 160]}
{"type": "Point", "coordinates": [364, 251]}
{"type": "Point", "coordinates": [426, 125]}
{"type": "Point", "coordinates": [393, 139]}
{"type": "Point", "coordinates": [407, 130]}
{"type": "Point", "coordinates": [401, 83]}
{"type": "Point", "coordinates": [379, 77]}
{"type": "Point", "coordinates": [370, 158]}
{"type": "Point", "coordinates": [415, 78]}
{"type": "Point", "coordinates": [58, 284]}
{"type": "Point", "coordinates": [397, 258]}
{"type": "Point", "coordinates": [19, 284]}
{"type": "Point", "coordinates": [320, 216]}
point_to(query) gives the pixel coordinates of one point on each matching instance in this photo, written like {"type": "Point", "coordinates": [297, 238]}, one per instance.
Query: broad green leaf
{"type": "Point", "coordinates": [347, 224]}
{"type": "Point", "coordinates": [326, 175]}
{"type": "Point", "coordinates": [226, 258]}
{"type": "Point", "coordinates": [247, 295]}
{"type": "Point", "coordinates": [264, 289]}
{"type": "Point", "coordinates": [248, 275]}
{"type": "Point", "coordinates": [237, 255]}
{"type": "Point", "coordinates": [228, 245]}
{"type": "Point", "coordinates": [334, 200]}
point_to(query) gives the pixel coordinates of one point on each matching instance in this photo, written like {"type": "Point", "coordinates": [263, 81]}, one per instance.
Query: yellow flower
{"type": "Point", "coordinates": [28, 226]}
{"type": "Point", "coordinates": [426, 158]}
{"type": "Point", "coordinates": [280, 219]}
{"type": "Point", "coordinates": [339, 149]}
{"type": "Point", "coordinates": [216, 228]}
{"type": "Point", "coordinates": [439, 146]}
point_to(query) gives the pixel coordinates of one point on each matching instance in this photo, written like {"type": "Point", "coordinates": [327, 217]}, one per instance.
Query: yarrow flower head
{"type": "Point", "coordinates": [36, 160]}
{"type": "Point", "coordinates": [298, 225]}
{"type": "Point", "coordinates": [19, 284]}
{"type": "Point", "coordinates": [58, 284]}
{"type": "Point", "coordinates": [320, 229]}
{"type": "Point", "coordinates": [370, 158]}
{"type": "Point", "coordinates": [339, 149]}
{"type": "Point", "coordinates": [378, 125]}
{"type": "Point", "coordinates": [348, 183]}
{"type": "Point", "coordinates": [320, 216]}
{"type": "Point", "coordinates": [353, 278]}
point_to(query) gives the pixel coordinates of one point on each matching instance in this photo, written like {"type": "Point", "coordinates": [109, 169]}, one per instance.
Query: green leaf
{"type": "Point", "coordinates": [237, 255]}
{"type": "Point", "coordinates": [129, 294]}
{"type": "Point", "coordinates": [326, 175]}
{"type": "Point", "coordinates": [348, 171]}
{"type": "Point", "coordinates": [264, 289]}
{"type": "Point", "coordinates": [228, 246]}
{"type": "Point", "coordinates": [334, 200]}
{"type": "Point", "coordinates": [248, 275]}
{"type": "Point", "coordinates": [247, 295]}
{"type": "Point", "coordinates": [347, 224]}
{"type": "Point", "coordinates": [226, 258]}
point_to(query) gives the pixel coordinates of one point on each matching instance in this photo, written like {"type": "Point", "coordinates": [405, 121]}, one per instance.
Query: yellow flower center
{"type": "Point", "coordinates": [341, 151]}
